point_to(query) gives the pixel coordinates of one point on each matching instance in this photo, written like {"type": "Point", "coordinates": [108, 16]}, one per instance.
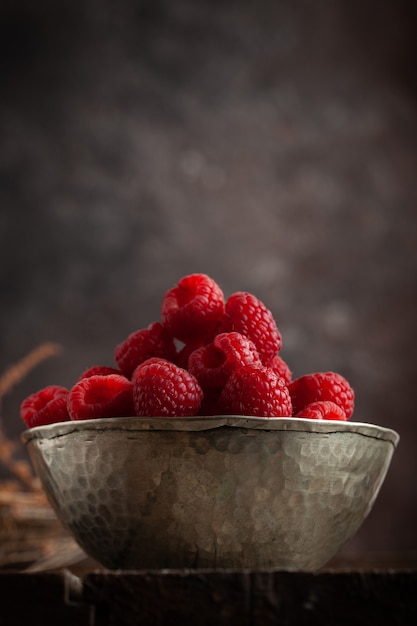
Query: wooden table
{"type": "Point", "coordinates": [343, 594]}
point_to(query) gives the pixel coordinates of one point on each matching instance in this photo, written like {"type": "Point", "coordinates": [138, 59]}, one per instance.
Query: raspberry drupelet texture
{"type": "Point", "coordinates": [213, 363]}
{"type": "Point", "coordinates": [319, 386]}
{"type": "Point", "coordinates": [162, 389]}
{"type": "Point", "coordinates": [246, 314]}
{"type": "Point", "coordinates": [46, 406]}
{"type": "Point", "coordinates": [323, 410]}
{"type": "Point", "coordinates": [256, 390]}
{"type": "Point", "coordinates": [208, 365]}
{"type": "Point", "coordinates": [192, 310]}
{"type": "Point", "coordinates": [280, 367]}
{"type": "Point", "coordinates": [101, 396]}
{"type": "Point", "coordinates": [143, 344]}
{"type": "Point", "coordinates": [99, 370]}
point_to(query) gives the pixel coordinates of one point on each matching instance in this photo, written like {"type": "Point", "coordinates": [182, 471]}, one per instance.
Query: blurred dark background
{"type": "Point", "coordinates": [272, 145]}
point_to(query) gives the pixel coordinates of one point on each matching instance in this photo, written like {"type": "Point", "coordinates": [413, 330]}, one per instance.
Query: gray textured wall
{"type": "Point", "coordinates": [271, 145]}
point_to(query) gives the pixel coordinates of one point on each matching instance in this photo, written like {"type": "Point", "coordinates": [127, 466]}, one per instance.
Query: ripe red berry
{"type": "Point", "coordinates": [229, 363]}
{"type": "Point", "coordinates": [213, 363]}
{"type": "Point", "coordinates": [238, 349]}
{"type": "Point", "coordinates": [323, 410]}
{"type": "Point", "coordinates": [162, 389]}
{"type": "Point", "coordinates": [256, 390]}
{"type": "Point", "coordinates": [193, 308]}
{"type": "Point", "coordinates": [208, 365]}
{"type": "Point", "coordinates": [99, 370]}
{"type": "Point", "coordinates": [322, 386]}
{"type": "Point", "coordinates": [153, 341]}
{"type": "Point", "coordinates": [247, 315]}
{"type": "Point", "coordinates": [280, 367]}
{"type": "Point", "coordinates": [101, 396]}
{"type": "Point", "coordinates": [47, 406]}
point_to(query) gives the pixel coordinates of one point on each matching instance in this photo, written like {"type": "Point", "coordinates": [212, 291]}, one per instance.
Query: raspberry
{"type": "Point", "coordinates": [101, 396]}
{"type": "Point", "coordinates": [323, 410]}
{"type": "Point", "coordinates": [247, 315]}
{"type": "Point", "coordinates": [213, 363]}
{"type": "Point", "coordinates": [143, 344]}
{"type": "Point", "coordinates": [322, 386]}
{"type": "Point", "coordinates": [256, 390]}
{"type": "Point", "coordinates": [238, 349]}
{"type": "Point", "coordinates": [47, 406]}
{"type": "Point", "coordinates": [208, 365]}
{"type": "Point", "coordinates": [99, 370]}
{"type": "Point", "coordinates": [161, 388]}
{"type": "Point", "coordinates": [280, 367]}
{"type": "Point", "coordinates": [153, 359]}
{"type": "Point", "coordinates": [193, 308]}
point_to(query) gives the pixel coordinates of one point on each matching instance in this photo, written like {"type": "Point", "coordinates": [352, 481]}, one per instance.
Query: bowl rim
{"type": "Point", "coordinates": [202, 423]}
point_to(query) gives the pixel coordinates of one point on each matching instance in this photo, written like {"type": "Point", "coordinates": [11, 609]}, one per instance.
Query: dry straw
{"type": "Point", "coordinates": [17, 372]}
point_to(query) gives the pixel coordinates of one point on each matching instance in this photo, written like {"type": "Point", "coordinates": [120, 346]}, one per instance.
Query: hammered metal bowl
{"type": "Point", "coordinates": [212, 492]}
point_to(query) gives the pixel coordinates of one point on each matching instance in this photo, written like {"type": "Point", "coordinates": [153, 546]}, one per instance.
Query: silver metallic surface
{"type": "Point", "coordinates": [212, 492]}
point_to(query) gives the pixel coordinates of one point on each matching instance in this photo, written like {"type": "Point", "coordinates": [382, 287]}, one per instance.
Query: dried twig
{"type": "Point", "coordinates": [11, 377]}
{"type": "Point", "coordinates": [17, 372]}
{"type": "Point", "coordinates": [31, 536]}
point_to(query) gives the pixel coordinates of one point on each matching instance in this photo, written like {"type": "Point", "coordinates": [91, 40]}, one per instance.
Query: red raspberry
{"type": "Point", "coordinates": [207, 364]}
{"type": "Point", "coordinates": [162, 389]}
{"type": "Point", "coordinates": [154, 359]}
{"type": "Point", "coordinates": [247, 315]}
{"type": "Point", "coordinates": [256, 390]}
{"type": "Point", "coordinates": [99, 370]}
{"type": "Point", "coordinates": [280, 367]}
{"type": "Point", "coordinates": [213, 363]}
{"type": "Point", "coordinates": [193, 308]}
{"type": "Point", "coordinates": [238, 349]}
{"type": "Point", "coordinates": [323, 410]}
{"type": "Point", "coordinates": [101, 396]}
{"type": "Point", "coordinates": [322, 386]}
{"type": "Point", "coordinates": [47, 406]}
{"type": "Point", "coordinates": [143, 344]}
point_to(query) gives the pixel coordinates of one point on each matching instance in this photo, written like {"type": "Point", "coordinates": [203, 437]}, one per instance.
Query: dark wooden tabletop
{"type": "Point", "coordinates": [335, 595]}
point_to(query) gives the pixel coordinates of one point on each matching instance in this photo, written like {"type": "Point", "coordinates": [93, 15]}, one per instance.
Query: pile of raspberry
{"type": "Point", "coordinates": [205, 356]}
